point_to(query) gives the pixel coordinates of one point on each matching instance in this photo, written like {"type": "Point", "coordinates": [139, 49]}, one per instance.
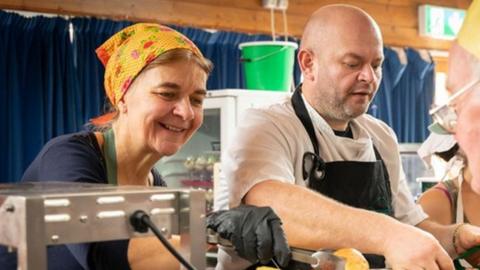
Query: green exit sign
{"type": "Point", "coordinates": [440, 22]}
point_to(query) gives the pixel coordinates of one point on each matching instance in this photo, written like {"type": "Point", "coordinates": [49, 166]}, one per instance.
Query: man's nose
{"type": "Point", "coordinates": [368, 74]}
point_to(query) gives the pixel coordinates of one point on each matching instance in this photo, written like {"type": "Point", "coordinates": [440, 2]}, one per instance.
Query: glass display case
{"type": "Point", "coordinates": [194, 165]}
{"type": "Point", "coordinates": [414, 167]}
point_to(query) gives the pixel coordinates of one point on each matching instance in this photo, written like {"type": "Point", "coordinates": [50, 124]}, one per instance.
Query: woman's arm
{"type": "Point", "coordinates": [147, 253]}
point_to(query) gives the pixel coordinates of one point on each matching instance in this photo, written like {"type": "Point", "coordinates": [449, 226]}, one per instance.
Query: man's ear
{"type": "Point", "coordinates": [306, 62]}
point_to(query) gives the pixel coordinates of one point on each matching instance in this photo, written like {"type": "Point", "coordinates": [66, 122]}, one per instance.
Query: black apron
{"type": "Point", "coordinates": [359, 184]}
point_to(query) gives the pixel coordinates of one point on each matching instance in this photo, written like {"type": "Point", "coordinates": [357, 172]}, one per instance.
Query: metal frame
{"type": "Point", "coordinates": [35, 215]}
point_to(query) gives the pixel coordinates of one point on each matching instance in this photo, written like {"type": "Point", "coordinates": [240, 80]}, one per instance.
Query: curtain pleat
{"type": "Point", "coordinates": [405, 94]}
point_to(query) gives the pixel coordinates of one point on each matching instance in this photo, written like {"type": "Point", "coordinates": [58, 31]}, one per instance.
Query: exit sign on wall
{"type": "Point", "coordinates": [439, 22]}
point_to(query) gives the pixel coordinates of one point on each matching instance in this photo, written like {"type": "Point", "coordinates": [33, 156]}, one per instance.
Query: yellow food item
{"type": "Point", "coordinates": [265, 268]}
{"type": "Point", "coordinates": [354, 260]}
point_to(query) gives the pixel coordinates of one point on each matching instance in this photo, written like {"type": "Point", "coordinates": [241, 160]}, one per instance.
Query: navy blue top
{"type": "Point", "coordinates": [75, 157]}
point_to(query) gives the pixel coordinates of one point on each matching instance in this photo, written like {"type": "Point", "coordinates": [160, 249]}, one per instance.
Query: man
{"type": "Point", "coordinates": [463, 69]}
{"type": "Point", "coordinates": [295, 155]}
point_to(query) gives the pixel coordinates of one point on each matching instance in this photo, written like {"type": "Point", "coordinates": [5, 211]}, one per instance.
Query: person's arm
{"type": "Point", "coordinates": [456, 238]}
{"type": "Point", "coordinates": [313, 221]}
{"type": "Point", "coordinates": [148, 253]}
{"type": "Point", "coordinates": [443, 233]}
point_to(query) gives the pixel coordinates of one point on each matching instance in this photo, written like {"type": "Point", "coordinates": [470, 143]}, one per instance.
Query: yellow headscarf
{"type": "Point", "coordinates": [469, 35]}
{"type": "Point", "coordinates": [127, 52]}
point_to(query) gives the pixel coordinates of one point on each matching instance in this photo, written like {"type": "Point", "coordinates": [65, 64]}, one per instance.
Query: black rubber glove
{"type": "Point", "coordinates": [255, 232]}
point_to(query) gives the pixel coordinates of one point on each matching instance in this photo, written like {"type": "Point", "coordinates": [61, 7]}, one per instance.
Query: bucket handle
{"type": "Point", "coordinates": [263, 56]}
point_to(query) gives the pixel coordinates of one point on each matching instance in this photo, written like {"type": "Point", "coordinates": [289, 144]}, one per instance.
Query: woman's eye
{"type": "Point", "coordinates": [169, 95]}
{"type": "Point", "coordinates": [195, 101]}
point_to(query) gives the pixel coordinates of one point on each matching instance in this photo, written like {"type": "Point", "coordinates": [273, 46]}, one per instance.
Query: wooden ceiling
{"type": "Point", "coordinates": [397, 18]}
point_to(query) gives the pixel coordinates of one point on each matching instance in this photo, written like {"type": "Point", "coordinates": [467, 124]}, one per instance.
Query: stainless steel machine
{"type": "Point", "coordinates": [37, 214]}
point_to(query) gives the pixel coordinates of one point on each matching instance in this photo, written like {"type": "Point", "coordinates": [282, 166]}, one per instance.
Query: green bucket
{"type": "Point", "coordinates": [268, 65]}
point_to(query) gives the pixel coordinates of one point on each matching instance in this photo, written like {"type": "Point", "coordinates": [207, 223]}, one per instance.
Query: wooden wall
{"type": "Point", "coordinates": [397, 18]}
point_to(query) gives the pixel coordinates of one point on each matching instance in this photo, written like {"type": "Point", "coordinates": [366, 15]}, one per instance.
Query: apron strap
{"type": "Point", "coordinates": [110, 156]}
{"type": "Point", "coordinates": [377, 154]}
{"type": "Point", "coordinates": [302, 114]}
{"type": "Point", "coordinates": [459, 215]}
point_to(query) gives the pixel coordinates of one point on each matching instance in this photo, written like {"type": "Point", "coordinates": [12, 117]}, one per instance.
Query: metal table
{"type": "Point", "coordinates": [36, 214]}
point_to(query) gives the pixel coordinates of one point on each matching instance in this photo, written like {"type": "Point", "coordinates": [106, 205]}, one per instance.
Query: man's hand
{"type": "Point", "coordinates": [408, 247]}
{"type": "Point", "coordinates": [255, 232]}
{"type": "Point", "coordinates": [468, 236]}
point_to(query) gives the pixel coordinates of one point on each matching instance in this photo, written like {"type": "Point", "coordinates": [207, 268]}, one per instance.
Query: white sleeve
{"type": "Point", "coordinates": [259, 151]}
{"type": "Point", "coordinates": [406, 210]}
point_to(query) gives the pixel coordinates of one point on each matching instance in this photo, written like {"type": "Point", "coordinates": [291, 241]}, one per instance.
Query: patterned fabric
{"type": "Point", "coordinates": [469, 37]}
{"type": "Point", "coordinates": [127, 52]}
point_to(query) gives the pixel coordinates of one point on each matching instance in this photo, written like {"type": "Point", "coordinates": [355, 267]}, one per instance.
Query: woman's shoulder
{"type": "Point", "coordinates": [77, 137]}
{"type": "Point", "coordinates": [437, 202]}
{"type": "Point", "coordinates": [69, 157]}
{"type": "Point", "coordinates": [74, 142]}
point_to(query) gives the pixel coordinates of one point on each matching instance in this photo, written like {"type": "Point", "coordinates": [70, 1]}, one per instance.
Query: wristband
{"type": "Point", "coordinates": [455, 237]}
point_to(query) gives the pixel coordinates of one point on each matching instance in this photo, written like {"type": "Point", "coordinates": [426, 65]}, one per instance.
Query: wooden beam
{"type": "Point", "coordinates": [441, 64]}
{"type": "Point", "coordinates": [397, 18]}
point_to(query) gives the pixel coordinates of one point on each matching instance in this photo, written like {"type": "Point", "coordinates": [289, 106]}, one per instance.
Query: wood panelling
{"type": "Point", "coordinates": [397, 18]}
{"type": "Point", "coordinates": [441, 64]}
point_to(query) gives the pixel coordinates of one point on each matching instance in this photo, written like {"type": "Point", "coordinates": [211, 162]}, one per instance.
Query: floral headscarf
{"type": "Point", "coordinates": [127, 52]}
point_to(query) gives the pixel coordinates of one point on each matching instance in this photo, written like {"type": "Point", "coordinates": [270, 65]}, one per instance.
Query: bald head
{"type": "Point", "coordinates": [341, 56]}
{"type": "Point", "coordinates": [337, 20]}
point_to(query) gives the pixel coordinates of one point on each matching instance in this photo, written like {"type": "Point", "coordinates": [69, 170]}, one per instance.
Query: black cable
{"type": "Point", "coordinates": [141, 223]}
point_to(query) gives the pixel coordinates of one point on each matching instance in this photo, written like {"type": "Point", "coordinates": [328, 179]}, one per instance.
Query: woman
{"type": "Point", "coordinates": [453, 201]}
{"type": "Point", "coordinates": [155, 80]}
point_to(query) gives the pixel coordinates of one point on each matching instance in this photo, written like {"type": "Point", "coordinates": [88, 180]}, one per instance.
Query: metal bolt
{"type": "Point", "coordinates": [83, 219]}
{"type": "Point", "coordinates": [55, 238]}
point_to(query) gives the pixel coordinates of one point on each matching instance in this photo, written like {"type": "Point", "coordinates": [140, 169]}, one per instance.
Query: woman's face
{"type": "Point", "coordinates": [164, 106]}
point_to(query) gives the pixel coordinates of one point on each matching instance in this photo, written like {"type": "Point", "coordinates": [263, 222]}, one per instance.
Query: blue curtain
{"type": "Point", "coordinates": [37, 85]}
{"type": "Point", "coordinates": [405, 94]}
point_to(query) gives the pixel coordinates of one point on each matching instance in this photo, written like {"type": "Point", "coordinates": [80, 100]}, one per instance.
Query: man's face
{"type": "Point", "coordinates": [461, 72]}
{"type": "Point", "coordinates": [348, 74]}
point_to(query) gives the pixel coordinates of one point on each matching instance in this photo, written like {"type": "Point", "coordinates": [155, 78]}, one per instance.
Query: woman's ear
{"type": "Point", "coordinates": [306, 62]}
{"type": "Point", "coordinates": [122, 107]}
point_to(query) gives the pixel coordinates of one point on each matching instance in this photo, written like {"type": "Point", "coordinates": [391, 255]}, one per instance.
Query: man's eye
{"type": "Point", "coordinates": [377, 65]}
{"type": "Point", "coordinates": [352, 65]}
